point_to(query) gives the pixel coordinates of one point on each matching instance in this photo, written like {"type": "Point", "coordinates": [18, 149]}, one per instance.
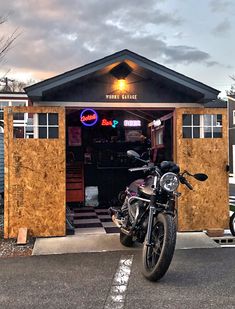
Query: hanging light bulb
{"type": "Point", "coordinates": [121, 84]}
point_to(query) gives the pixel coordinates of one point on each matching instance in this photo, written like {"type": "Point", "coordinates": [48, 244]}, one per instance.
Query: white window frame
{"type": "Point", "coordinates": [26, 102]}
{"type": "Point", "coordinates": [202, 125]}
{"type": "Point", "coordinates": [36, 126]}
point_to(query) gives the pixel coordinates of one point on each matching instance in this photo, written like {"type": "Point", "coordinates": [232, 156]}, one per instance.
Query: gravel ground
{"type": "Point", "coordinates": [9, 248]}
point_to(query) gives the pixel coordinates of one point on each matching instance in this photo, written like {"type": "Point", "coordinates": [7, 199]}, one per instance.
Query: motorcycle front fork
{"type": "Point", "coordinates": [152, 212]}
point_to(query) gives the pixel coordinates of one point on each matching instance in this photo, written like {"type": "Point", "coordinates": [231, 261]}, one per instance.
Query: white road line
{"type": "Point", "coordinates": [117, 294]}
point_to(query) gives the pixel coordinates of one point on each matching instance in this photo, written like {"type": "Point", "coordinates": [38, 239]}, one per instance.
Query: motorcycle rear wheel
{"type": "Point", "coordinates": [157, 258]}
{"type": "Point", "coordinates": [232, 224]}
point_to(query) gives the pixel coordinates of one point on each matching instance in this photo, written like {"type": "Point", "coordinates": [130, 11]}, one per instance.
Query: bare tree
{"type": "Point", "coordinates": [231, 91]}
{"type": "Point", "coordinates": [14, 85]}
{"type": "Point", "coordinates": [6, 41]}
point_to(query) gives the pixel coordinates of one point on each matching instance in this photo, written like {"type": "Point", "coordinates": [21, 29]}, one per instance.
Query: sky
{"type": "Point", "coordinates": [195, 38]}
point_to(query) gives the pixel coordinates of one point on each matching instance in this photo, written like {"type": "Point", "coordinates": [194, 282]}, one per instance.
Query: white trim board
{"type": "Point", "coordinates": [119, 105]}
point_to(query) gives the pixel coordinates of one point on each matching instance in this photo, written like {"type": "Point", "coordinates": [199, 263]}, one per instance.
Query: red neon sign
{"type": "Point", "coordinates": [109, 123]}
{"type": "Point", "coordinates": [88, 117]}
{"type": "Point", "coordinates": [106, 122]}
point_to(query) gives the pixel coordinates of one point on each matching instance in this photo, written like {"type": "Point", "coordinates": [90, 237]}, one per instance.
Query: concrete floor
{"type": "Point", "coordinates": [103, 243]}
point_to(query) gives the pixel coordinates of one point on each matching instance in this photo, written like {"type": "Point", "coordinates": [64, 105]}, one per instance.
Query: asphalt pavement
{"type": "Point", "coordinates": [197, 278]}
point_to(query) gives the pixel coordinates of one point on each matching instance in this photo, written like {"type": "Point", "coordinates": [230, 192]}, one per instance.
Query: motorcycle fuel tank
{"type": "Point", "coordinates": [134, 186]}
{"type": "Point", "coordinates": [147, 186]}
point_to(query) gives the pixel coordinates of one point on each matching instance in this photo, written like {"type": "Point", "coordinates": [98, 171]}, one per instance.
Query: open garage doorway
{"type": "Point", "coordinates": [96, 161]}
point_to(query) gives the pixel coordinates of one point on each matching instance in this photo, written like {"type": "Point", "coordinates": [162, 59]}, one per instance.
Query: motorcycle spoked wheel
{"type": "Point", "coordinates": [232, 224]}
{"type": "Point", "coordinates": [157, 258]}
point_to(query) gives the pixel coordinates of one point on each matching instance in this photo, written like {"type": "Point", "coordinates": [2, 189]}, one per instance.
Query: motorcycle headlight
{"type": "Point", "coordinates": [169, 182]}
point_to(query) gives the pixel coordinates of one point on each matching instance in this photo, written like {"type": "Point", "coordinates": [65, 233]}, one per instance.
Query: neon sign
{"type": "Point", "coordinates": [157, 123]}
{"type": "Point", "coordinates": [88, 117]}
{"type": "Point", "coordinates": [132, 123]}
{"type": "Point", "coordinates": [109, 123]}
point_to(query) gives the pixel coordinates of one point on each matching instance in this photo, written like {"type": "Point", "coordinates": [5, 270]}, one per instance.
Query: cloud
{"type": "Point", "coordinates": [222, 28]}
{"type": "Point", "coordinates": [218, 6]}
{"type": "Point", "coordinates": [58, 35]}
{"type": "Point", "coordinates": [187, 55]}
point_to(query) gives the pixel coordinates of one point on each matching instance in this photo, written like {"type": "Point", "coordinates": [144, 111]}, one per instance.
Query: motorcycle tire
{"type": "Point", "coordinates": [232, 224]}
{"type": "Point", "coordinates": [157, 258]}
{"type": "Point", "coordinates": [126, 240]}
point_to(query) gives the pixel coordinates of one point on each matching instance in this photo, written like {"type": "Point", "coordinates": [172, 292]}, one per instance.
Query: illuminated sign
{"type": "Point", "coordinates": [121, 96]}
{"type": "Point", "coordinates": [88, 117]}
{"type": "Point", "coordinates": [157, 123]}
{"type": "Point", "coordinates": [132, 123]}
{"type": "Point", "coordinates": [109, 123]}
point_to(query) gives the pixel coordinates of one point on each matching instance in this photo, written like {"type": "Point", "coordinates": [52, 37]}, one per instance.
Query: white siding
{"type": "Point", "coordinates": [1, 163]}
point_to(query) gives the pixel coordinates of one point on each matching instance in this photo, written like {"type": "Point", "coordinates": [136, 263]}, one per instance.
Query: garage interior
{"type": "Point", "coordinates": [96, 160]}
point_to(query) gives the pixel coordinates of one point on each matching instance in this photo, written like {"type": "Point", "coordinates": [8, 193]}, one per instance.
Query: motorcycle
{"type": "Point", "coordinates": [148, 214]}
{"type": "Point", "coordinates": [232, 220]}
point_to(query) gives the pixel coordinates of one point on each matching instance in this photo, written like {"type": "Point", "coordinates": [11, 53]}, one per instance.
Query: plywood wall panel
{"type": "Point", "coordinates": [35, 180]}
{"type": "Point", "coordinates": [206, 207]}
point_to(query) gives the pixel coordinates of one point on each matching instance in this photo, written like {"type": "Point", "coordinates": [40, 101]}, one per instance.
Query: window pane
{"type": "Point", "coordinates": [207, 120]}
{"type": "Point", "coordinates": [18, 103]}
{"type": "Point", "coordinates": [18, 116]}
{"type": "Point", "coordinates": [187, 132]}
{"type": "Point", "coordinates": [217, 132]}
{"type": "Point", "coordinates": [18, 132]}
{"type": "Point", "coordinates": [3, 104]}
{"type": "Point", "coordinates": [196, 132]}
{"type": "Point", "coordinates": [53, 119]}
{"type": "Point", "coordinates": [42, 119]}
{"type": "Point", "coordinates": [218, 119]}
{"type": "Point", "coordinates": [53, 132]}
{"type": "Point", "coordinates": [42, 132]}
{"type": "Point", "coordinates": [208, 132]}
{"type": "Point", "coordinates": [196, 120]}
{"type": "Point", "coordinates": [187, 120]}
{"type": "Point", "coordinates": [29, 129]}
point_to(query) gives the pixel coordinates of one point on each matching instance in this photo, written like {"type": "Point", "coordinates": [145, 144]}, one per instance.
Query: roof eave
{"type": "Point", "coordinates": [38, 89]}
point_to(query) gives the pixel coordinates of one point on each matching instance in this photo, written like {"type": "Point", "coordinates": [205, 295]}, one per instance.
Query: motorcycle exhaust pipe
{"type": "Point", "coordinates": [118, 223]}
{"type": "Point", "coordinates": [125, 231]}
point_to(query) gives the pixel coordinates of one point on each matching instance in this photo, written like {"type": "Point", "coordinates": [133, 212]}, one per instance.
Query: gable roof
{"type": "Point", "coordinates": [217, 103]}
{"type": "Point", "coordinates": [37, 89]}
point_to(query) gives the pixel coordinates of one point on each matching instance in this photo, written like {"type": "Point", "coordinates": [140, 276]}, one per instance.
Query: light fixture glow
{"type": "Point", "coordinates": [121, 84]}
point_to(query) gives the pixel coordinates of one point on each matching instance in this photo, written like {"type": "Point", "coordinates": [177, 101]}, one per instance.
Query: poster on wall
{"type": "Point", "coordinates": [133, 135]}
{"type": "Point", "coordinates": [75, 136]}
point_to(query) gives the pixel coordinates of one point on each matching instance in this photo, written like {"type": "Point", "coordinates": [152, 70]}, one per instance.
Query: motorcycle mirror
{"type": "Point", "coordinates": [200, 176]}
{"type": "Point", "coordinates": [132, 154]}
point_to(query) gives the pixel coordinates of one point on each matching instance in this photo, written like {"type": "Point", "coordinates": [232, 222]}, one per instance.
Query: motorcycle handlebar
{"type": "Point", "coordinates": [188, 185]}
{"type": "Point", "coordinates": [184, 181]}
{"type": "Point", "coordinates": [135, 169]}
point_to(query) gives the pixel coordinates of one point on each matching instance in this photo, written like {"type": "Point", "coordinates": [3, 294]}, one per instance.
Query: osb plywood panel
{"type": "Point", "coordinates": [34, 180]}
{"type": "Point", "coordinates": [206, 207]}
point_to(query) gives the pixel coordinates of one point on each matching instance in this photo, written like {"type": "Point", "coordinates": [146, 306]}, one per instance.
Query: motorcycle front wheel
{"type": "Point", "coordinates": [158, 256]}
{"type": "Point", "coordinates": [232, 224]}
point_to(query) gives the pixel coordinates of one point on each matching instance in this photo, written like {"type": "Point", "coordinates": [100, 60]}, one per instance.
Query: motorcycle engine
{"type": "Point", "coordinates": [135, 208]}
